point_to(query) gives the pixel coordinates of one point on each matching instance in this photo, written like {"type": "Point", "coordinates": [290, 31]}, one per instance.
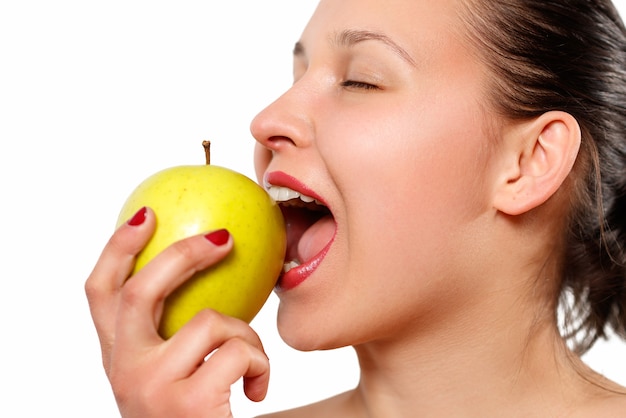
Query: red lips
{"type": "Point", "coordinates": [311, 231]}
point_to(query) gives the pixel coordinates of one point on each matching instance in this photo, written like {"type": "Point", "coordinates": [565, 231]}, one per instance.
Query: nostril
{"type": "Point", "coordinates": [270, 131]}
{"type": "Point", "coordinates": [278, 142]}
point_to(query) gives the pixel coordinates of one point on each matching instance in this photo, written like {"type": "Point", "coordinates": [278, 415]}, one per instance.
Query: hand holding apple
{"type": "Point", "coordinates": [190, 200]}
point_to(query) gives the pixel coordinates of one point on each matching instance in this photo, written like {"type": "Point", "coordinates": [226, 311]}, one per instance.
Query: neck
{"type": "Point", "coordinates": [506, 361]}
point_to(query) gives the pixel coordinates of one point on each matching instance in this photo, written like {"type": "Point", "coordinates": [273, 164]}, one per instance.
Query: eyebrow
{"type": "Point", "coordinates": [351, 37]}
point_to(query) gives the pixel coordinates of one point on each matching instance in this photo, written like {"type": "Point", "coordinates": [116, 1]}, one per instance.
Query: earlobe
{"type": "Point", "coordinates": [542, 157]}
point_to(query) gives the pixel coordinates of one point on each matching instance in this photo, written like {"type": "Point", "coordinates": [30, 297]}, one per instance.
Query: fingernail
{"type": "Point", "coordinates": [219, 237]}
{"type": "Point", "coordinates": [138, 218]}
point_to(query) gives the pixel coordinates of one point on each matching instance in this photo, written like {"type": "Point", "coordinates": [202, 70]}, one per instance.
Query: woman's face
{"type": "Point", "coordinates": [384, 125]}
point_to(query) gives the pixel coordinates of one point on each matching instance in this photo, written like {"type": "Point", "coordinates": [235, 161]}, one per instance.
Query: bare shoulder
{"type": "Point", "coordinates": [610, 403]}
{"type": "Point", "coordinates": [338, 406]}
{"type": "Point", "coordinates": [613, 406]}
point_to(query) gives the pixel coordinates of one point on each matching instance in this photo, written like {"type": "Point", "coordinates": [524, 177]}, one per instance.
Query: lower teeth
{"type": "Point", "coordinates": [288, 266]}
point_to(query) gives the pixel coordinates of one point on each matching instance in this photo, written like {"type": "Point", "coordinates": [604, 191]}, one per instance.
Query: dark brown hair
{"type": "Point", "coordinates": [570, 55]}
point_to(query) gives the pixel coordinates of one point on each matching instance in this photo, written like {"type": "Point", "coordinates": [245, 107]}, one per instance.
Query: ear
{"type": "Point", "coordinates": [538, 159]}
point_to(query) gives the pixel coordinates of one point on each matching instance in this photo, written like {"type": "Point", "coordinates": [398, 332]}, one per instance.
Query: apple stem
{"type": "Point", "coordinates": [207, 151]}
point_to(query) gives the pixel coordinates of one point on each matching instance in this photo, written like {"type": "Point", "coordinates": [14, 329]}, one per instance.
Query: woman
{"type": "Point", "coordinates": [469, 158]}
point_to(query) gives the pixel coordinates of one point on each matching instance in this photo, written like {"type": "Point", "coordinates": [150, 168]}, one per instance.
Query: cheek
{"type": "Point", "coordinates": [412, 162]}
{"type": "Point", "coordinates": [411, 186]}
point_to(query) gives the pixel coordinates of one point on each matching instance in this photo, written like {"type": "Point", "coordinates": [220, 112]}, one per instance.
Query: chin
{"type": "Point", "coordinates": [309, 334]}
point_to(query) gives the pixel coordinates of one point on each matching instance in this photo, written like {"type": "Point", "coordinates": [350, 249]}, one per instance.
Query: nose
{"type": "Point", "coordinates": [286, 123]}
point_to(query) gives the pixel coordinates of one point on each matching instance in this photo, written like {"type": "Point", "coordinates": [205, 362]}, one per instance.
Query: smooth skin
{"type": "Point", "coordinates": [441, 275]}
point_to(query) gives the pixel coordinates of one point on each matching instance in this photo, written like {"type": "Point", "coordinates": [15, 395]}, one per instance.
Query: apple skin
{"type": "Point", "coordinates": [190, 200]}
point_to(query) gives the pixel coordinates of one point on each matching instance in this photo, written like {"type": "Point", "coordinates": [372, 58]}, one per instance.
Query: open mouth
{"type": "Point", "coordinates": [310, 230]}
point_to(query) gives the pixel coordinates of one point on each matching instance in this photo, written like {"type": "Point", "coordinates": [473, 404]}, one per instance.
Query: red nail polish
{"type": "Point", "coordinates": [138, 218]}
{"type": "Point", "coordinates": [219, 237]}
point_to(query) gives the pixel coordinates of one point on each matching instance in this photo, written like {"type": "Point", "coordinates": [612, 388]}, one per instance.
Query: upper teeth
{"type": "Point", "coordinates": [283, 194]}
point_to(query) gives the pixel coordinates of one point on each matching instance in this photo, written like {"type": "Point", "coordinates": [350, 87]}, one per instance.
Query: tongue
{"type": "Point", "coordinates": [307, 235]}
{"type": "Point", "coordinates": [315, 238]}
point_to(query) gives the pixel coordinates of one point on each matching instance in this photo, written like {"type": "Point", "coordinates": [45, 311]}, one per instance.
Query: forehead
{"type": "Point", "coordinates": [410, 18]}
{"type": "Point", "coordinates": [426, 29]}
{"type": "Point", "coordinates": [432, 33]}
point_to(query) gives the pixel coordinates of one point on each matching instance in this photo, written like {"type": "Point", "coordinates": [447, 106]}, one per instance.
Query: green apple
{"type": "Point", "coordinates": [190, 200]}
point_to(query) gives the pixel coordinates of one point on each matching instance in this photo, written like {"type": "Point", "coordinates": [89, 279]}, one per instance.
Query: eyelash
{"type": "Point", "coordinates": [359, 85]}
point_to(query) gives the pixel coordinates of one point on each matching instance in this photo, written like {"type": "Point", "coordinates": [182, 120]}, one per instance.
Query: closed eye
{"type": "Point", "coordinates": [359, 85]}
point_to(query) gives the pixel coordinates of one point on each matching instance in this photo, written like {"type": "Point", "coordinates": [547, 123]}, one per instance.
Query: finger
{"type": "Point", "coordinates": [113, 268]}
{"type": "Point", "coordinates": [204, 333]}
{"type": "Point", "coordinates": [118, 257]}
{"type": "Point", "coordinates": [143, 295]}
{"type": "Point", "coordinates": [233, 360]}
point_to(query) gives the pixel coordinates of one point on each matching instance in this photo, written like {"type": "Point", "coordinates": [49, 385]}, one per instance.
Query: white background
{"type": "Point", "coordinates": [94, 96]}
